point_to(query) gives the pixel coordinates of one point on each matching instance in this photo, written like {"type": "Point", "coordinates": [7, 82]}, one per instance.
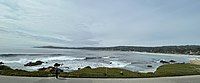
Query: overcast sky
{"type": "Point", "coordinates": [99, 22]}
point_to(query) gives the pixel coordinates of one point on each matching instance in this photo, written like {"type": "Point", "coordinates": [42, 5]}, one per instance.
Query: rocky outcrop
{"type": "Point", "coordinates": [164, 62]}
{"type": "Point", "coordinates": [87, 58]}
{"type": "Point", "coordinates": [34, 63]}
{"type": "Point", "coordinates": [88, 67]}
{"type": "Point", "coordinates": [1, 63]}
{"type": "Point", "coordinates": [57, 65]}
{"type": "Point", "coordinates": [172, 61]}
{"type": "Point", "coordinates": [149, 66]}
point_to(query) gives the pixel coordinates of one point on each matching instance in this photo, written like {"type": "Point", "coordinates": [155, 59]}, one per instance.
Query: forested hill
{"type": "Point", "coordinates": [187, 49]}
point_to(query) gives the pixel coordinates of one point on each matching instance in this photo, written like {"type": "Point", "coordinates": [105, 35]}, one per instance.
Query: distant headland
{"type": "Point", "coordinates": [183, 49]}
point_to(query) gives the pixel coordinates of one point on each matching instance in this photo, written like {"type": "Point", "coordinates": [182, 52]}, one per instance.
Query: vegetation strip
{"type": "Point", "coordinates": [103, 72]}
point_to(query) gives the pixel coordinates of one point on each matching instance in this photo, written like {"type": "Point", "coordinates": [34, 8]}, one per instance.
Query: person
{"type": "Point", "coordinates": [56, 72]}
{"type": "Point", "coordinates": [56, 65]}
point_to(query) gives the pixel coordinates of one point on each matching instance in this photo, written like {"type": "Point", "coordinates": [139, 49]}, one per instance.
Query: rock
{"type": "Point", "coordinates": [57, 65]}
{"type": "Point", "coordinates": [34, 63]}
{"type": "Point", "coordinates": [149, 66]}
{"type": "Point", "coordinates": [92, 58]}
{"type": "Point", "coordinates": [39, 62]}
{"type": "Point", "coordinates": [88, 67]}
{"type": "Point", "coordinates": [172, 61]}
{"type": "Point", "coordinates": [67, 67]}
{"type": "Point", "coordinates": [164, 62]}
{"type": "Point", "coordinates": [1, 63]}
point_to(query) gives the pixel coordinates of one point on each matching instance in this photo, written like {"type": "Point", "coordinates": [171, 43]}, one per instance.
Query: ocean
{"type": "Point", "coordinates": [72, 59]}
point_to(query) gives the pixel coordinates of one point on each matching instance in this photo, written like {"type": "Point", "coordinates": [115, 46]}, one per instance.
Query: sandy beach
{"type": "Point", "coordinates": [181, 79]}
{"type": "Point", "coordinates": [195, 61]}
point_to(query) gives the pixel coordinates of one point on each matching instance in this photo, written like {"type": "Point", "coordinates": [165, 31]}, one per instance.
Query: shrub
{"type": "Point", "coordinates": [88, 67]}
{"type": "Point", "coordinates": [3, 67]}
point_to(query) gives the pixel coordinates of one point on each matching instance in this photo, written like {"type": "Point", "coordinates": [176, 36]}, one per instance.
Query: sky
{"type": "Point", "coordinates": [28, 23]}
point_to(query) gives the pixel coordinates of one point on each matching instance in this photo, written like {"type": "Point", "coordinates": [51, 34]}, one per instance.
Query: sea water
{"type": "Point", "coordinates": [72, 59]}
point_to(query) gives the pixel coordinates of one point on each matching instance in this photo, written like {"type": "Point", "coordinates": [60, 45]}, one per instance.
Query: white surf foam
{"type": "Point", "coordinates": [24, 60]}
{"type": "Point", "coordinates": [60, 58]}
{"type": "Point", "coordinates": [118, 64]}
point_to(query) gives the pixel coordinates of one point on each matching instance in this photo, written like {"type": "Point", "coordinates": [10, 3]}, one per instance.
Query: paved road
{"type": "Point", "coordinates": [183, 79]}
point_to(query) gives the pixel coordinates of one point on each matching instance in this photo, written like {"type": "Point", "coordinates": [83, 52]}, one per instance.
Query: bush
{"type": "Point", "coordinates": [3, 67]}
{"type": "Point", "coordinates": [88, 67]}
{"type": "Point", "coordinates": [5, 70]}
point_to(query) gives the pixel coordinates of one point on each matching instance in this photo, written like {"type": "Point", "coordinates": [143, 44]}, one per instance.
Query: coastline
{"type": "Point", "coordinates": [163, 54]}
{"type": "Point", "coordinates": [63, 57]}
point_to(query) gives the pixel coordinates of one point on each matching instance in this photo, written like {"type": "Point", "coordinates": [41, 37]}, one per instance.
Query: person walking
{"type": "Point", "coordinates": [56, 73]}
{"type": "Point", "coordinates": [56, 65]}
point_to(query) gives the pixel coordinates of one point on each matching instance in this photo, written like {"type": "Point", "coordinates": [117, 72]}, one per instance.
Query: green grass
{"type": "Point", "coordinates": [25, 73]}
{"type": "Point", "coordinates": [162, 71]}
{"type": "Point", "coordinates": [103, 72]}
{"type": "Point", "coordinates": [3, 67]}
{"type": "Point", "coordinates": [5, 70]}
{"type": "Point", "coordinates": [178, 70]}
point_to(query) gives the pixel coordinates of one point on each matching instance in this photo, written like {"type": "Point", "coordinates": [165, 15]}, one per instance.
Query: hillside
{"type": "Point", "coordinates": [186, 49]}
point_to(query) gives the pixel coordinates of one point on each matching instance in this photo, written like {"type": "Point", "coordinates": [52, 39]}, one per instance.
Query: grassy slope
{"type": "Point", "coordinates": [162, 71]}
{"type": "Point", "coordinates": [101, 73]}
{"type": "Point", "coordinates": [5, 70]}
{"type": "Point", "coordinates": [178, 70]}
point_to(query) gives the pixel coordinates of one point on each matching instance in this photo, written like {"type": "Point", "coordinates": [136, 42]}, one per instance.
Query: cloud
{"type": "Point", "coordinates": [100, 22]}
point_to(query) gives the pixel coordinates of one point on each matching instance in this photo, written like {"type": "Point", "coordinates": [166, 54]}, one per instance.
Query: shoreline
{"type": "Point", "coordinates": [133, 53]}
{"type": "Point", "coordinates": [163, 54]}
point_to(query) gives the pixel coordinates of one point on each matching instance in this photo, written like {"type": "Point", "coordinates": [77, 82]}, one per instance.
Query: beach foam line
{"type": "Point", "coordinates": [118, 64]}
{"type": "Point", "coordinates": [23, 60]}
{"type": "Point", "coordinates": [60, 58]}
{"type": "Point", "coordinates": [162, 54]}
